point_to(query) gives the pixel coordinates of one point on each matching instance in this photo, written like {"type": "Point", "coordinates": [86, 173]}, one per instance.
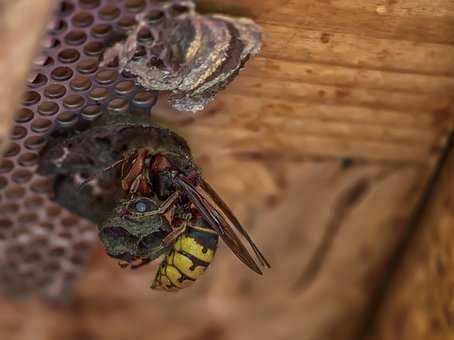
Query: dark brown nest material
{"type": "Point", "coordinates": [194, 56]}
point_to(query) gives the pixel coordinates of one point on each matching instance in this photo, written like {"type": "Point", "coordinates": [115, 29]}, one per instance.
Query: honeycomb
{"type": "Point", "coordinates": [43, 247]}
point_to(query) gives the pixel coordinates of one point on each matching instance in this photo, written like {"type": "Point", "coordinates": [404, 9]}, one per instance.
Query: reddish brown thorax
{"type": "Point", "coordinates": [138, 169]}
{"type": "Point", "coordinates": [160, 163]}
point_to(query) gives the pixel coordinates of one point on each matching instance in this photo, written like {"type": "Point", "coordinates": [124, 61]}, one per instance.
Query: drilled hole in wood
{"type": "Point", "coordinates": [30, 98]}
{"type": "Point", "coordinates": [15, 193]}
{"type": "Point", "coordinates": [21, 176]}
{"type": "Point", "coordinates": [98, 94]}
{"type": "Point", "coordinates": [57, 26]}
{"type": "Point", "coordinates": [106, 77]}
{"type": "Point", "coordinates": [12, 150]}
{"type": "Point", "coordinates": [144, 99]}
{"type": "Point", "coordinates": [66, 8]}
{"type": "Point", "coordinates": [61, 73]}
{"type": "Point", "coordinates": [91, 112]}
{"type": "Point", "coordinates": [70, 221]}
{"type": "Point", "coordinates": [94, 48]}
{"type": "Point", "coordinates": [27, 218]}
{"type": "Point", "coordinates": [34, 202]}
{"type": "Point", "coordinates": [6, 166]}
{"type": "Point", "coordinates": [69, 55]}
{"type": "Point", "coordinates": [145, 36]}
{"type": "Point", "coordinates": [18, 132]}
{"type": "Point", "coordinates": [89, 3]}
{"type": "Point", "coordinates": [38, 80]}
{"type": "Point", "coordinates": [23, 115]}
{"type": "Point", "coordinates": [67, 119]}
{"type": "Point", "coordinates": [109, 12]}
{"type": "Point", "coordinates": [42, 185]}
{"type": "Point", "coordinates": [154, 16]}
{"type": "Point", "coordinates": [50, 42]}
{"type": "Point", "coordinates": [35, 143]}
{"type": "Point", "coordinates": [80, 83]}
{"type": "Point", "coordinates": [3, 182]}
{"type": "Point", "coordinates": [9, 207]}
{"type": "Point", "coordinates": [73, 101]}
{"type": "Point", "coordinates": [135, 5]}
{"type": "Point", "coordinates": [101, 30]}
{"type": "Point", "coordinates": [87, 66]}
{"type": "Point", "coordinates": [127, 23]}
{"type": "Point", "coordinates": [28, 159]}
{"type": "Point", "coordinates": [48, 108]}
{"type": "Point", "coordinates": [41, 125]}
{"type": "Point", "coordinates": [5, 223]}
{"type": "Point", "coordinates": [82, 19]}
{"type": "Point", "coordinates": [55, 91]}
{"type": "Point", "coordinates": [75, 38]}
{"type": "Point", "coordinates": [118, 105]}
{"type": "Point", "coordinates": [124, 87]}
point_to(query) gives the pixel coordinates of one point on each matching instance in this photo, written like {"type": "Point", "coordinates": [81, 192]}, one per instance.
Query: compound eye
{"type": "Point", "coordinates": [141, 207]}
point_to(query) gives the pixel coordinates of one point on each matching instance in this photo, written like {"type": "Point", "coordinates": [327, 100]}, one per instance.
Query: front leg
{"type": "Point", "coordinates": [163, 208]}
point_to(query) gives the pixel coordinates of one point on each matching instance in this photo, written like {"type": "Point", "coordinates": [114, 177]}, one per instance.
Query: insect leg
{"type": "Point", "coordinates": [98, 173]}
{"type": "Point", "coordinates": [135, 185]}
{"type": "Point", "coordinates": [163, 208]}
{"type": "Point", "coordinates": [168, 202]}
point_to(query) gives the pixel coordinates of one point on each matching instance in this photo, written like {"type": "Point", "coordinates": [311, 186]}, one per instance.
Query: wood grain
{"type": "Point", "coordinates": [418, 304]}
{"type": "Point", "coordinates": [21, 26]}
{"type": "Point", "coordinates": [306, 216]}
{"type": "Point", "coordinates": [323, 146]}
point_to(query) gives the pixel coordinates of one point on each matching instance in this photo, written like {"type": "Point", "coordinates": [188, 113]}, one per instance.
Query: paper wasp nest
{"type": "Point", "coordinates": [195, 56]}
{"type": "Point", "coordinates": [77, 81]}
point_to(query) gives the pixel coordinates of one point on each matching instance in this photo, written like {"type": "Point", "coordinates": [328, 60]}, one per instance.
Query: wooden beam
{"type": "Point", "coordinates": [21, 25]}
{"type": "Point", "coordinates": [418, 299]}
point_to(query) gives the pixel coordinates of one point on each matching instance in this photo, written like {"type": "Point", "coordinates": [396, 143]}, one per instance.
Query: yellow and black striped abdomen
{"type": "Point", "coordinates": [191, 254]}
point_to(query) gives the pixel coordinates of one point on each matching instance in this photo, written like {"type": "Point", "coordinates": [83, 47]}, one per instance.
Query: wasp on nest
{"type": "Point", "coordinates": [87, 107]}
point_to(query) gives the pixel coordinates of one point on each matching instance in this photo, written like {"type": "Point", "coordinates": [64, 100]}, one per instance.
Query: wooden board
{"type": "Point", "coordinates": [324, 146]}
{"type": "Point", "coordinates": [21, 26]}
{"type": "Point", "coordinates": [418, 299]}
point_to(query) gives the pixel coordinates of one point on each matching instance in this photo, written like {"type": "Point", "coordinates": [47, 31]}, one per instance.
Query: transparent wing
{"type": "Point", "coordinates": [214, 217]}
